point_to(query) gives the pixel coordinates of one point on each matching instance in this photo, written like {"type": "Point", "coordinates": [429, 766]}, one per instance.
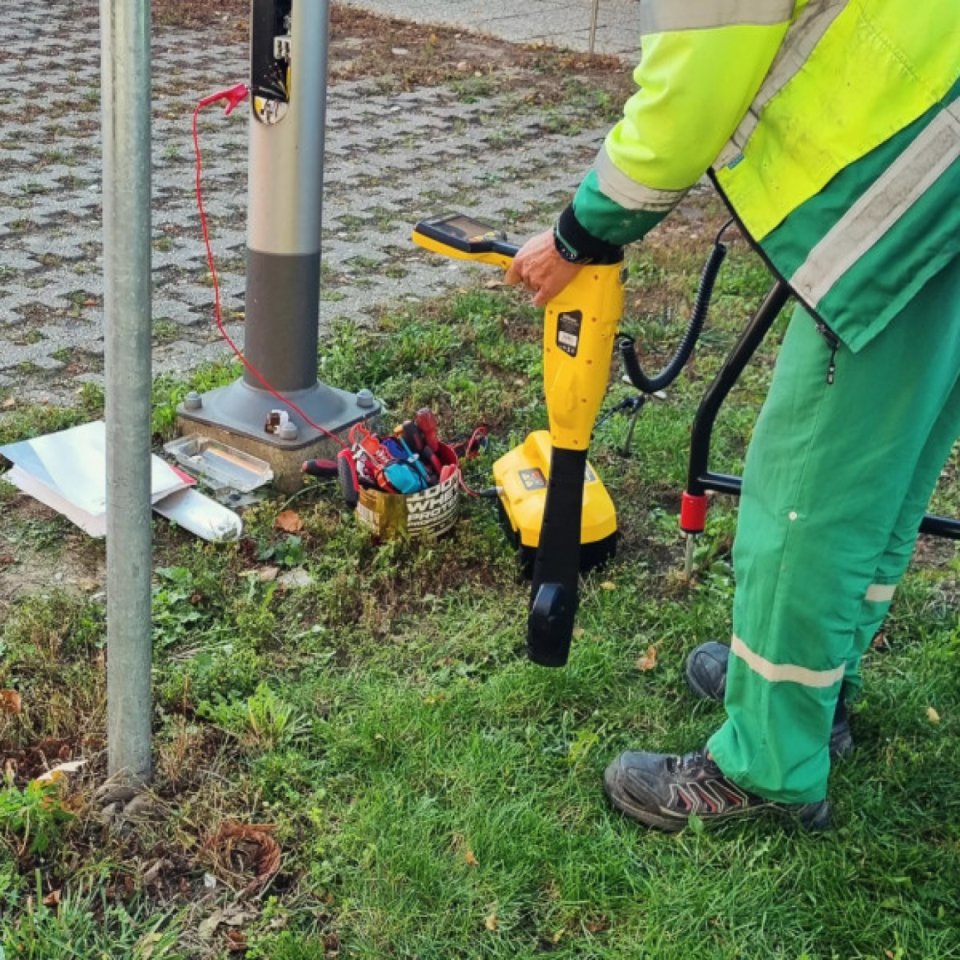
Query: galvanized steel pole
{"type": "Point", "coordinates": [593, 26]}
{"type": "Point", "coordinates": [125, 95]}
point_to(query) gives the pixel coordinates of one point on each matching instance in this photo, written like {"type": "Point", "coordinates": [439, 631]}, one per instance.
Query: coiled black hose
{"type": "Point", "coordinates": [668, 374]}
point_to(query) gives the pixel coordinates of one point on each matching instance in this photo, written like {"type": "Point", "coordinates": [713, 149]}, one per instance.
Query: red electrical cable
{"type": "Point", "coordinates": [235, 95]}
{"type": "Point", "coordinates": [470, 450]}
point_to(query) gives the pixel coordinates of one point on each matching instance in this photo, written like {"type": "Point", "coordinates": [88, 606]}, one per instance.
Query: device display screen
{"type": "Point", "coordinates": [464, 228]}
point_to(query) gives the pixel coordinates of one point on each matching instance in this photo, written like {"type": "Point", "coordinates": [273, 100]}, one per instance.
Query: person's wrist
{"type": "Point", "coordinates": [566, 250]}
{"type": "Point", "coordinates": [575, 244]}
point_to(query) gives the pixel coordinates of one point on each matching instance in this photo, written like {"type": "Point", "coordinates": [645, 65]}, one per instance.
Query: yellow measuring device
{"type": "Point", "coordinates": [546, 482]}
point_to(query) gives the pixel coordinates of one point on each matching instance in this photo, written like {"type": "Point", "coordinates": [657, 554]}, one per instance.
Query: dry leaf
{"type": "Point", "coordinates": [578, 632]}
{"type": "Point", "coordinates": [289, 521]}
{"type": "Point", "coordinates": [648, 661]}
{"type": "Point", "coordinates": [471, 858]}
{"type": "Point", "coordinates": [608, 585]}
{"type": "Point", "coordinates": [932, 715]}
{"type": "Point", "coordinates": [208, 927]}
{"type": "Point", "coordinates": [236, 941]}
{"type": "Point", "coordinates": [295, 579]}
{"type": "Point", "coordinates": [8, 404]}
{"type": "Point", "coordinates": [52, 898]}
{"type": "Point", "coordinates": [491, 921]}
{"type": "Point", "coordinates": [267, 574]}
{"type": "Point", "coordinates": [152, 873]}
{"type": "Point", "coordinates": [10, 702]}
{"type": "Point", "coordinates": [241, 849]}
{"type": "Point", "coordinates": [235, 917]}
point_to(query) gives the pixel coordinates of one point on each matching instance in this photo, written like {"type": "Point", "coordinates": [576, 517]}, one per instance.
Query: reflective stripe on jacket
{"type": "Point", "coordinates": [833, 129]}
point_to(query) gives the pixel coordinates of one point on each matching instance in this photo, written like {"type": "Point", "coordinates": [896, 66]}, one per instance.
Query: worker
{"type": "Point", "coordinates": [832, 130]}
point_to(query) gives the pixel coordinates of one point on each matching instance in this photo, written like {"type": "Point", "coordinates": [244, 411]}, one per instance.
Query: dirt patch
{"type": "Point", "coordinates": [193, 14]}
{"type": "Point", "coordinates": [39, 551]}
{"type": "Point", "coordinates": [401, 55]}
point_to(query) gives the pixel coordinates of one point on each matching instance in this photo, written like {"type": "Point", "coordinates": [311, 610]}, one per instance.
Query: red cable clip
{"type": "Point", "coordinates": [234, 96]}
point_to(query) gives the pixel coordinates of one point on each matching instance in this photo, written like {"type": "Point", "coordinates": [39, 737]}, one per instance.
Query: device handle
{"type": "Point", "coordinates": [463, 238]}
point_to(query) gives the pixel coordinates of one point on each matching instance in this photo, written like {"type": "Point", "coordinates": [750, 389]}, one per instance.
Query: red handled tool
{"type": "Point", "coordinates": [344, 469]}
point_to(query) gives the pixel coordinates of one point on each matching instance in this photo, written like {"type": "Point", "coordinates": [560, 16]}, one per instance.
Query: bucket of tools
{"type": "Point", "coordinates": [421, 515]}
{"type": "Point", "coordinates": [408, 484]}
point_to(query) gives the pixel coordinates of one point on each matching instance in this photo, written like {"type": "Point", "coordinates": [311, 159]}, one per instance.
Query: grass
{"type": "Point", "coordinates": [432, 794]}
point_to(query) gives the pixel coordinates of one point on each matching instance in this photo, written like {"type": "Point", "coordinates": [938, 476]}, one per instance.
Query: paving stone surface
{"type": "Point", "coordinates": [390, 159]}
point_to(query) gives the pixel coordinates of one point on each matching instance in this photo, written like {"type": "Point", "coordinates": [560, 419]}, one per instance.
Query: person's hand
{"type": "Point", "coordinates": [541, 269]}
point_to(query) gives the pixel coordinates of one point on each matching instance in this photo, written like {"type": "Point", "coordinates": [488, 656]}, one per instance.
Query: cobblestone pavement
{"type": "Point", "coordinates": [390, 160]}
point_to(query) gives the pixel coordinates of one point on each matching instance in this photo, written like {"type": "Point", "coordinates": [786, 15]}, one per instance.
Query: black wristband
{"type": "Point", "coordinates": [576, 245]}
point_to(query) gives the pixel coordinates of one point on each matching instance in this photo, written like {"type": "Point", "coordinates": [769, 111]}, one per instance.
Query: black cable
{"type": "Point", "coordinates": [633, 404]}
{"type": "Point", "coordinates": [627, 344]}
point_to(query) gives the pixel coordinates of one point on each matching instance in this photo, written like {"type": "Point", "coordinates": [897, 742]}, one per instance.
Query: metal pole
{"type": "Point", "coordinates": [593, 24]}
{"type": "Point", "coordinates": [125, 93]}
{"type": "Point", "coordinates": [288, 83]}
{"type": "Point", "coordinates": [284, 215]}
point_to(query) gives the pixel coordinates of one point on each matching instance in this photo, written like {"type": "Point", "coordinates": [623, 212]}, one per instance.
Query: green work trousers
{"type": "Point", "coordinates": [836, 481]}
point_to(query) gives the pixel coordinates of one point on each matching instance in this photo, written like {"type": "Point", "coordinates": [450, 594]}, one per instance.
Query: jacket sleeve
{"type": "Point", "coordinates": [695, 84]}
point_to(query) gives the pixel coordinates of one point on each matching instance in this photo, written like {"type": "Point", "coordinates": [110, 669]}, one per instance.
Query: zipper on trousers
{"type": "Point", "coordinates": [833, 342]}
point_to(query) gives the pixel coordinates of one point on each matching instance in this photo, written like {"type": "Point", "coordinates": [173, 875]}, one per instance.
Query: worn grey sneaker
{"type": "Point", "coordinates": [706, 673]}
{"type": "Point", "coordinates": [664, 791]}
{"type": "Point", "coordinates": [706, 670]}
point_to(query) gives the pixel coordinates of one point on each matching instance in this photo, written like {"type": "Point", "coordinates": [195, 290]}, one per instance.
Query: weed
{"type": "Point", "coordinates": [32, 819]}
{"type": "Point", "coordinates": [180, 610]}
{"type": "Point", "coordinates": [288, 551]}
{"type": "Point", "coordinates": [165, 329]}
{"type": "Point", "coordinates": [264, 719]}
{"type": "Point", "coordinates": [474, 88]}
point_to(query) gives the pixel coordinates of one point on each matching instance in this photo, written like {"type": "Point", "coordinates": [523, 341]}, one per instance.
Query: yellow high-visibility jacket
{"type": "Point", "coordinates": [831, 127]}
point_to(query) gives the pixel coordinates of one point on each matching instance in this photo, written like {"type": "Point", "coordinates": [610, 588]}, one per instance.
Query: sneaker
{"type": "Point", "coordinates": [706, 673]}
{"type": "Point", "coordinates": [665, 791]}
{"type": "Point", "coordinates": [706, 670]}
